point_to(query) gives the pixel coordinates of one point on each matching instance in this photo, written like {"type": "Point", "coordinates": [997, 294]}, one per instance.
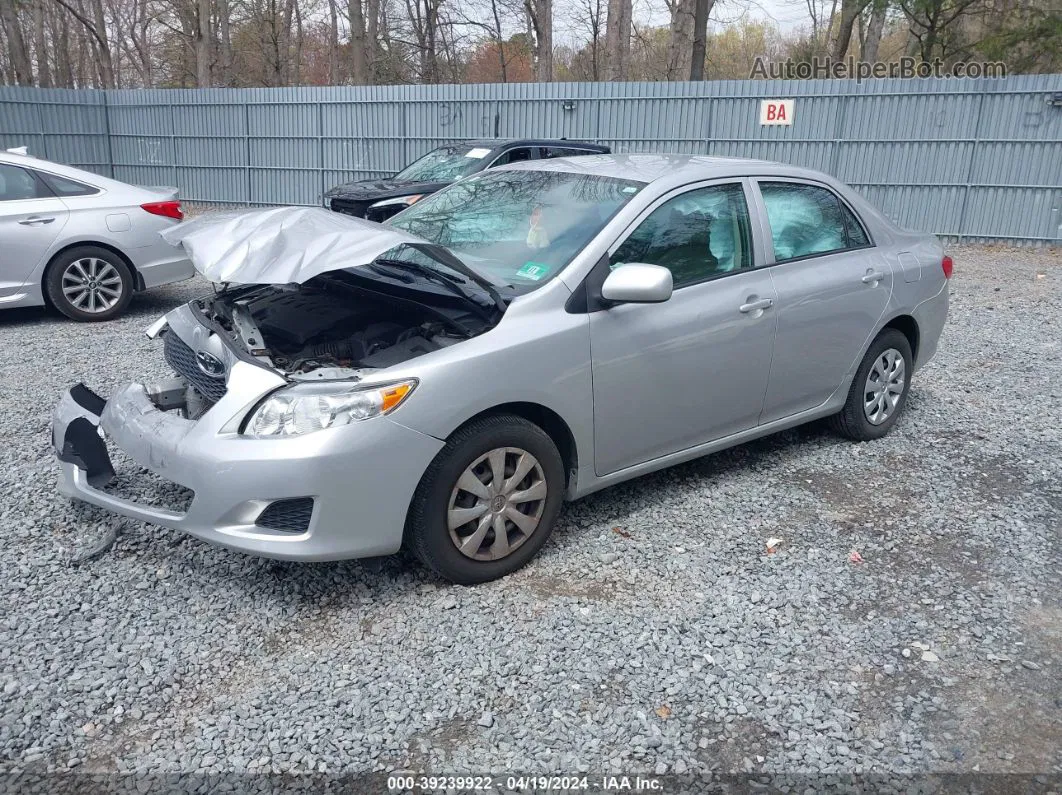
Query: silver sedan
{"type": "Point", "coordinates": [82, 242]}
{"type": "Point", "coordinates": [528, 335]}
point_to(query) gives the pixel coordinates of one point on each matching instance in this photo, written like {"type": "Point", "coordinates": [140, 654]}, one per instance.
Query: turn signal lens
{"type": "Point", "coordinates": [947, 265]}
{"type": "Point", "coordinates": [392, 396]}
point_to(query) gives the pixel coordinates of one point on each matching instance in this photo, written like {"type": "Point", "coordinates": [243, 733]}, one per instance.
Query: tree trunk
{"type": "Point", "coordinates": [359, 69]}
{"type": "Point", "coordinates": [618, 39]}
{"type": "Point", "coordinates": [106, 62]}
{"type": "Point", "coordinates": [226, 59]}
{"type": "Point", "coordinates": [40, 45]}
{"type": "Point", "coordinates": [874, 30]}
{"type": "Point", "coordinates": [64, 68]}
{"type": "Point", "coordinates": [540, 13]}
{"type": "Point", "coordinates": [700, 36]}
{"type": "Point", "coordinates": [501, 43]}
{"type": "Point", "coordinates": [19, 55]}
{"type": "Point", "coordinates": [680, 40]}
{"type": "Point", "coordinates": [295, 73]}
{"type": "Point", "coordinates": [203, 36]}
{"type": "Point", "coordinates": [333, 44]}
{"type": "Point", "coordinates": [850, 11]}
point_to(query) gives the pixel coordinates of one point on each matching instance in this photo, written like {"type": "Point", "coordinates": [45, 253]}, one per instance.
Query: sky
{"type": "Point", "coordinates": [788, 15]}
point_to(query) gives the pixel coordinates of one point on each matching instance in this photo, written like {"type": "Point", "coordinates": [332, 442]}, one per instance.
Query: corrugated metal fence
{"type": "Point", "coordinates": [962, 158]}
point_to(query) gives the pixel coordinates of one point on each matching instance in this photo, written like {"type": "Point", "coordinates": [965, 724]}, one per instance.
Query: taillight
{"type": "Point", "coordinates": [167, 209]}
{"type": "Point", "coordinates": [947, 266]}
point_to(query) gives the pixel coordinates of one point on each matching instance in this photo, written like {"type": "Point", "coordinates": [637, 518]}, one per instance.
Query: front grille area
{"type": "Point", "coordinates": [182, 359]}
{"type": "Point", "coordinates": [349, 207]}
{"type": "Point", "coordinates": [287, 516]}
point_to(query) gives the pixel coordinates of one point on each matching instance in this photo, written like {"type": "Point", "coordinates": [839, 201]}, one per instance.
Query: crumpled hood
{"type": "Point", "coordinates": [283, 245]}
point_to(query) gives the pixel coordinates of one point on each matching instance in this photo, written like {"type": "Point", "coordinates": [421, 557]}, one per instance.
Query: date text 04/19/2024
{"type": "Point", "coordinates": [412, 783]}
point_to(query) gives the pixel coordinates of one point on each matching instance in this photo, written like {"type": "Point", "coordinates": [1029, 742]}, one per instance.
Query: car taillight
{"type": "Point", "coordinates": [167, 209]}
{"type": "Point", "coordinates": [947, 266]}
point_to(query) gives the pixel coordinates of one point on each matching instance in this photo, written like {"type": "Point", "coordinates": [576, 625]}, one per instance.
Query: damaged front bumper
{"type": "Point", "coordinates": [334, 494]}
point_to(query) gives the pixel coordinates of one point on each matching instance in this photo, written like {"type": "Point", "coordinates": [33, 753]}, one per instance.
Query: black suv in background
{"type": "Point", "coordinates": [379, 199]}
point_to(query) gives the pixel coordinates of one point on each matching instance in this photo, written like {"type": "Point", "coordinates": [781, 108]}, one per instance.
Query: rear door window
{"type": "Point", "coordinates": [513, 156]}
{"type": "Point", "coordinates": [807, 220]}
{"type": "Point", "coordinates": [17, 184]}
{"type": "Point", "coordinates": [560, 151]}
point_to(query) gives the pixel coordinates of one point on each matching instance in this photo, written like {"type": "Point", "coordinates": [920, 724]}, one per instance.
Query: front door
{"type": "Point", "coordinates": [674, 375]}
{"type": "Point", "coordinates": [833, 287]}
{"type": "Point", "coordinates": [30, 220]}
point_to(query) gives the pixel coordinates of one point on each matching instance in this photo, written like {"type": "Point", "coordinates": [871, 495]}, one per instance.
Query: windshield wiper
{"type": "Point", "coordinates": [452, 284]}
{"type": "Point", "coordinates": [447, 258]}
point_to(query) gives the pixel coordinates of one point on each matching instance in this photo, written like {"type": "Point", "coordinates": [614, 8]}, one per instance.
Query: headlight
{"type": "Point", "coordinates": [398, 201]}
{"type": "Point", "coordinates": [298, 410]}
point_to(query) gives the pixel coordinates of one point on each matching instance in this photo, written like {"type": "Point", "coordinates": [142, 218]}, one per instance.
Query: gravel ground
{"type": "Point", "coordinates": [653, 634]}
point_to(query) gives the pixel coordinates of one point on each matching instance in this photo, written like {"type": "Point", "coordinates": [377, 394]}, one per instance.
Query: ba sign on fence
{"type": "Point", "coordinates": [776, 111]}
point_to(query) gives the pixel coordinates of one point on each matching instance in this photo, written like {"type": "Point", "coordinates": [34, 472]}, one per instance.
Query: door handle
{"type": "Point", "coordinates": [873, 277]}
{"type": "Point", "coordinates": [752, 304]}
{"type": "Point", "coordinates": [36, 220]}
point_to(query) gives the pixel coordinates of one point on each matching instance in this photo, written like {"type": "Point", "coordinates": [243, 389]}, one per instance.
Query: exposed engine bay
{"type": "Point", "coordinates": [331, 327]}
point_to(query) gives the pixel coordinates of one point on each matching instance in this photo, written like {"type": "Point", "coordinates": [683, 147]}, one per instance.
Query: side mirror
{"type": "Point", "coordinates": [636, 283]}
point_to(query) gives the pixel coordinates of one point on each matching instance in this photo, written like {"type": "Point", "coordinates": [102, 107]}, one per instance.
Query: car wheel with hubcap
{"type": "Point", "coordinates": [89, 283]}
{"type": "Point", "coordinates": [488, 501]}
{"type": "Point", "coordinates": [879, 390]}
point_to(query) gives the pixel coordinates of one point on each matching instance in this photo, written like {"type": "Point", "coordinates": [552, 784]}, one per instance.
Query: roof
{"type": "Point", "coordinates": [496, 143]}
{"type": "Point", "coordinates": [29, 161]}
{"type": "Point", "coordinates": [653, 167]}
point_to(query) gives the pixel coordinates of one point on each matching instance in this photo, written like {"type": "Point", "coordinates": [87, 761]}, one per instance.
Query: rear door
{"type": "Point", "coordinates": [833, 286]}
{"type": "Point", "coordinates": [693, 369]}
{"type": "Point", "coordinates": [31, 218]}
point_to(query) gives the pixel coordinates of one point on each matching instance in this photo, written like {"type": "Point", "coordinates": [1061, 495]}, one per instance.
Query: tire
{"type": "Point", "coordinates": [855, 420]}
{"type": "Point", "coordinates": [472, 451]}
{"type": "Point", "coordinates": [99, 273]}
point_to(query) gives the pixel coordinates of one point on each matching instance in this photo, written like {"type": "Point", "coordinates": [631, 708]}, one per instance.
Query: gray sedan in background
{"type": "Point", "coordinates": [527, 335]}
{"type": "Point", "coordinates": [82, 242]}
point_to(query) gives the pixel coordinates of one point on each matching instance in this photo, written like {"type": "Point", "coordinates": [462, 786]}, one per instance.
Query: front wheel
{"type": "Point", "coordinates": [879, 390]}
{"type": "Point", "coordinates": [89, 283]}
{"type": "Point", "coordinates": [488, 501]}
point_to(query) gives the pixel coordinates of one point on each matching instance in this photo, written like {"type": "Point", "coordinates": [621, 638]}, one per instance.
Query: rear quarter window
{"type": "Point", "coordinates": [64, 187]}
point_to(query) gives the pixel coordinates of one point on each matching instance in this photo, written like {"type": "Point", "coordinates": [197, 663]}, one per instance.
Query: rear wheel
{"type": "Point", "coordinates": [879, 390]}
{"type": "Point", "coordinates": [89, 283]}
{"type": "Point", "coordinates": [488, 501]}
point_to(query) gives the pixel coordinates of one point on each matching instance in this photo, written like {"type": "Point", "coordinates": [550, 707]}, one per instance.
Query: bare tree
{"type": "Point", "coordinates": [589, 19]}
{"type": "Point", "coordinates": [540, 14]}
{"type": "Point", "coordinates": [680, 39]}
{"type": "Point", "coordinates": [424, 19]}
{"type": "Point", "coordinates": [618, 39]}
{"type": "Point", "coordinates": [870, 39]}
{"type": "Point", "coordinates": [94, 23]}
{"type": "Point", "coordinates": [702, 9]}
{"type": "Point", "coordinates": [850, 11]}
{"type": "Point", "coordinates": [21, 68]}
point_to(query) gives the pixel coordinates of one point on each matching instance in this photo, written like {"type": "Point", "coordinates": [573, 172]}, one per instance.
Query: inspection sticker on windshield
{"type": "Point", "coordinates": [478, 153]}
{"type": "Point", "coordinates": [533, 271]}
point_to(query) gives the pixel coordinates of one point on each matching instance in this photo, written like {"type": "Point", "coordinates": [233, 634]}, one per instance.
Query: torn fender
{"type": "Point", "coordinates": [282, 245]}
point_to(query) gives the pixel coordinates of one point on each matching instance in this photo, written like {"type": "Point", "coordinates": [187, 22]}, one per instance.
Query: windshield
{"type": "Point", "coordinates": [518, 227]}
{"type": "Point", "coordinates": [444, 164]}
